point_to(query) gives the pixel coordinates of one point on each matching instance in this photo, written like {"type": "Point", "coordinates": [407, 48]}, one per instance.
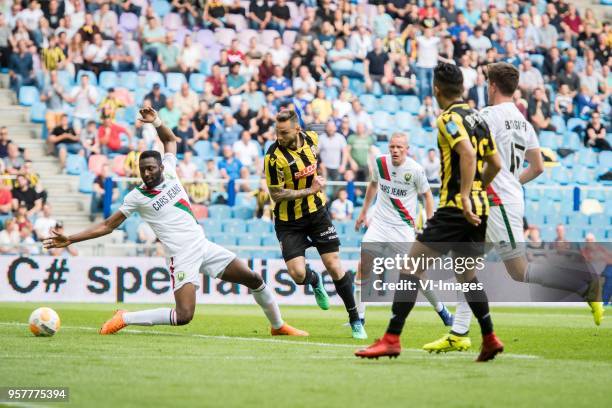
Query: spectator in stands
{"type": "Point", "coordinates": [569, 77]}
{"type": "Point", "coordinates": [63, 140]}
{"type": "Point", "coordinates": [84, 98]}
{"type": "Point", "coordinates": [105, 192]}
{"type": "Point", "coordinates": [27, 245]}
{"type": "Point", "coordinates": [44, 223]}
{"type": "Point", "coordinates": [213, 175]}
{"type": "Point", "coordinates": [470, 75]}
{"type": "Point", "coordinates": [244, 115]}
{"type": "Point", "coordinates": [21, 217]}
{"type": "Point", "coordinates": [561, 242]}
{"type": "Point", "coordinates": [547, 35]}
{"type": "Point", "coordinates": [403, 77]}
{"type": "Point", "coordinates": [280, 87]}
{"type": "Point", "coordinates": [184, 131]}
{"type": "Point", "coordinates": [14, 160]}
{"type": "Point", "coordinates": [6, 198]}
{"type": "Point", "coordinates": [244, 183]}
{"type": "Point", "coordinates": [478, 94]}
{"type": "Point", "coordinates": [360, 42]}
{"type": "Point", "coordinates": [254, 97]}
{"type": "Point", "coordinates": [186, 101]}
{"type": "Point", "coordinates": [187, 168]}
{"type": "Point", "coordinates": [9, 237]}
{"type": "Point", "coordinates": [259, 15]}
{"type": "Point", "coordinates": [70, 250]}
{"type": "Point", "coordinates": [157, 98]}
{"type": "Point", "coordinates": [340, 58]}
{"type": "Point", "coordinates": [120, 56]}
{"type": "Point", "coordinates": [427, 59]}
{"type": "Point", "coordinates": [96, 55]}
{"type": "Point", "coordinates": [553, 65]}
{"type": "Point", "coordinates": [214, 15]}
{"type": "Point", "coordinates": [281, 16]}
{"type": "Point", "coordinates": [359, 148]}
{"type": "Point", "coordinates": [264, 123]}
{"type": "Point", "coordinates": [586, 102]}
{"type": "Point", "coordinates": [5, 34]}
{"type": "Point", "coordinates": [153, 36]}
{"type": "Point", "coordinates": [595, 134]}
{"type": "Point", "coordinates": [88, 28]}
{"type": "Point", "coordinates": [530, 77]}
{"type": "Point", "coordinates": [229, 133]}
{"type": "Point", "coordinates": [539, 111]}
{"type": "Point", "coordinates": [219, 85]}
{"type": "Point", "coordinates": [198, 190]}
{"type": "Point", "coordinates": [591, 79]}
{"type": "Point", "coordinates": [21, 67]}
{"type": "Point", "coordinates": [247, 151]}
{"type": "Point", "coordinates": [428, 113]}
{"type": "Point", "coordinates": [479, 43]}
{"type": "Point", "coordinates": [109, 137]}
{"type": "Point", "coordinates": [76, 50]}
{"type": "Point", "coordinates": [304, 81]}
{"type": "Point", "coordinates": [130, 164]}
{"type": "Point", "coordinates": [189, 57]}
{"type": "Point", "coordinates": [110, 104]}
{"type": "Point", "coordinates": [229, 166]}
{"type": "Point", "coordinates": [24, 193]}
{"type": "Point", "coordinates": [321, 107]}
{"type": "Point", "coordinates": [52, 96]}
{"type": "Point", "coordinates": [342, 208]}
{"type": "Point", "coordinates": [107, 20]}
{"type": "Point", "coordinates": [359, 115]}
{"type": "Point", "coordinates": [564, 104]}
{"type": "Point", "coordinates": [89, 139]}
{"type": "Point", "coordinates": [332, 152]}
{"type": "Point", "coordinates": [377, 67]}
{"type": "Point", "coordinates": [431, 165]}
{"type": "Point", "coordinates": [52, 56]}
{"type": "Point", "coordinates": [170, 114]}
{"type": "Point", "coordinates": [236, 84]}
{"type": "Point", "coordinates": [168, 54]}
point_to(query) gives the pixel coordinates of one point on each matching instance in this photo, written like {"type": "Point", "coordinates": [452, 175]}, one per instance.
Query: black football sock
{"type": "Point", "coordinates": [344, 288]}
{"type": "Point", "coordinates": [403, 303]}
{"type": "Point", "coordinates": [479, 303]}
{"type": "Point", "coordinates": [311, 278]}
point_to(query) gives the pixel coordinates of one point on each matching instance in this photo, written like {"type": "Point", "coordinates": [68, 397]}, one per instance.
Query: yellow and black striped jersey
{"type": "Point", "coordinates": [51, 57]}
{"type": "Point", "coordinates": [294, 170]}
{"type": "Point", "coordinates": [460, 122]}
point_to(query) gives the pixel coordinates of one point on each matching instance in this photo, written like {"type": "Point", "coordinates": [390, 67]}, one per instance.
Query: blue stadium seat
{"type": "Point", "coordinates": [259, 226]}
{"type": "Point", "coordinates": [269, 240]}
{"type": "Point", "coordinates": [561, 176]}
{"type": "Point", "coordinates": [245, 200]}
{"type": "Point", "coordinates": [161, 7]}
{"type": "Point", "coordinates": [377, 89]}
{"type": "Point", "coordinates": [220, 212]}
{"type": "Point", "coordinates": [554, 218]}
{"type": "Point", "coordinates": [108, 79]}
{"type": "Point", "coordinates": [28, 95]}
{"type": "Point", "coordinates": [66, 79]}
{"type": "Point", "coordinates": [389, 103]}
{"type": "Point", "coordinates": [574, 123]}
{"type": "Point", "coordinates": [587, 157]}
{"type": "Point", "coordinates": [410, 103]}
{"type": "Point", "coordinates": [211, 226]}
{"type": "Point", "coordinates": [38, 111]}
{"type": "Point", "coordinates": [596, 194]}
{"type": "Point", "coordinates": [383, 147]}
{"type": "Point", "coordinates": [574, 233]}
{"type": "Point", "coordinates": [249, 240]}
{"type": "Point", "coordinates": [86, 180]}
{"type": "Point", "coordinates": [130, 226]}
{"type": "Point", "coordinates": [547, 233]}
{"type": "Point", "coordinates": [571, 140]}
{"type": "Point", "coordinates": [196, 82]}
{"type": "Point", "coordinates": [404, 121]}
{"type": "Point", "coordinates": [75, 164]}
{"type": "Point", "coordinates": [129, 80]}
{"type": "Point", "coordinates": [223, 239]}
{"type": "Point", "coordinates": [204, 149]}
{"type": "Point", "coordinates": [234, 226]}
{"type": "Point", "coordinates": [357, 86]}
{"type": "Point", "coordinates": [559, 123]}
{"type": "Point", "coordinates": [536, 218]}
{"type": "Point", "coordinates": [579, 218]}
{"type": "Point", "coordinates": [153, 77]}
{"type": "Point", "coordinates": [205, 68]}
{"type": "Point", "coordinates": [351, 241]}
{"type": "Point", "coordinates": [599, 219]}
{"type": "Point", "coordinates": [382, 121]}
{"type": "Point", "coordinates": [93, 80]}
{"type": "Point", "coordinates": [532, 193]}
{"type": "Point", "coordinates": [548, 139]}
{"type": "Point", "coordinates": [605, 158]}
{"type": "Point", "coordinates": [174, 81]}
{"type": "Point", "coordinates": [537, 60]}
{"type": "Point", "coordinates": [369, 102]}
{"type": "Point", "coordinates": [583, 176]}
{"type": "Point", "coordinates": [243, 213]}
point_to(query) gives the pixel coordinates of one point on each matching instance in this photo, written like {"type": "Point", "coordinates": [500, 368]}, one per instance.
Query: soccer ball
{"type": "Point", "coordinates": [44, 322]}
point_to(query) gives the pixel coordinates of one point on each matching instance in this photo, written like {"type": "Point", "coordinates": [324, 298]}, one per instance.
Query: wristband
{"type": "Point", "coordinates": [157, 122]}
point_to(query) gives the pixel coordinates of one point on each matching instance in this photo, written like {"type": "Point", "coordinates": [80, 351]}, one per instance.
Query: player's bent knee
{"type": "Point", "coordinates": [184, 316]}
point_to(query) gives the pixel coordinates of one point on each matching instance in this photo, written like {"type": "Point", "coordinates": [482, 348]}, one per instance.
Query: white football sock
{"type": "Point", "coordinates": [361, 306]}
{"type": "Point", "coordinates": [433, 299]}
{"type": "Point", "coordinates": [265, 299]}
{"type": "Point", "coordinates": [463, 316]}
{"type": "Point", "coordinates": [151, 317]}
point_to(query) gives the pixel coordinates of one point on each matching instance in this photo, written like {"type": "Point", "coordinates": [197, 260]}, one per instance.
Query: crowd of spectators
{"type": "Point", "coordinates": [317, 56]}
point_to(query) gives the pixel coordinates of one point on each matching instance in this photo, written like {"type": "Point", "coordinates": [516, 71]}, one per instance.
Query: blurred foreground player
{"type": "Point", "coordinates": [163, 203]}
{"type": "Point", "coordinates": [469, 162]}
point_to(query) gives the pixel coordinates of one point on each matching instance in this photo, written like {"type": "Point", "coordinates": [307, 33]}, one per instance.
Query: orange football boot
{"type": "Point", "coordinates": [286, 330]}
{"type": "Point", "coordinates": [114, 324]}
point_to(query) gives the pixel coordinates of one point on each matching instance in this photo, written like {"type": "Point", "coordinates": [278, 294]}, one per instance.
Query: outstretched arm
{"type": "Point", "coordinates": [104, 228]}
{"type": "Point", "coordinates": [167, 137]}
{"type": "Point", "coordinates": [535, 168]}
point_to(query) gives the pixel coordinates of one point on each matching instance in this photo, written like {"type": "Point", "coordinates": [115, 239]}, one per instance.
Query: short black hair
{"type": "Point", "coordinates": [151, 153]}
{"type": "Point", "coordinates": [287, 115]}
{"type": "Point", "coordinates": [449, 79]}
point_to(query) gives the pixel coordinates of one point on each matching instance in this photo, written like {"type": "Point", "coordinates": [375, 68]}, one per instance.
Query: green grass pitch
{"type": "Point", "coordinates": [225, 357]}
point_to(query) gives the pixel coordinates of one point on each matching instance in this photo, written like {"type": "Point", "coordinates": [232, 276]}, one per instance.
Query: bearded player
{"type": "Point", "coordinates": [516, 142]}
{"type": "Point", "coordinates": [163, 203]}
{"type": "Point", "coordinates": [397, 181]}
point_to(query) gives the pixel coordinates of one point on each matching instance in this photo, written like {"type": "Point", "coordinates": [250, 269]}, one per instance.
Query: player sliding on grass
{"type": "Point", "coordinates": [163, 203]}
{"type": "Point", "coordinates": [516, 142]}
{"type": "Point", "coordinates": [469, 162]}
{"type": "Point", "coordinates": [396, 182]}
{"type": "Point", "coordinates": [301, 219]}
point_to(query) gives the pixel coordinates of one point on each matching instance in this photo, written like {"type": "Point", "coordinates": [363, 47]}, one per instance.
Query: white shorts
{"type": "Point", "coordinates": [212, 262]}
{"type": "Point", "coordinates": [379, 232]}
{"type": "Point", "coordinates": [505, 230]}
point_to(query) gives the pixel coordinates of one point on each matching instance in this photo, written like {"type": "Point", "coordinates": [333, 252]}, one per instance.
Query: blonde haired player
{"type": "Point", "coordinates": [397, 181]}
{"type": "Point", "coordinates": [161, 201]}
{"type": "Point", "coordinates": [516, 142]}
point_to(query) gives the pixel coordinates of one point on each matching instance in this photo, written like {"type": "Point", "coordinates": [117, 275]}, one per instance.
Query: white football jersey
{"type": "Point", "coordinates": [513, 135]}
{"type": "Point", "coordinates": [167, 210]}
{"type": "Point", "coordinates": [398, 190]}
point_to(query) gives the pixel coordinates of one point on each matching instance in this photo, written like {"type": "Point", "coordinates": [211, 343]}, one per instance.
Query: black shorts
{"type": "Point", "coordinates": [315, 229]}
{"type": "Point", "coordinates": [449, 230]}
